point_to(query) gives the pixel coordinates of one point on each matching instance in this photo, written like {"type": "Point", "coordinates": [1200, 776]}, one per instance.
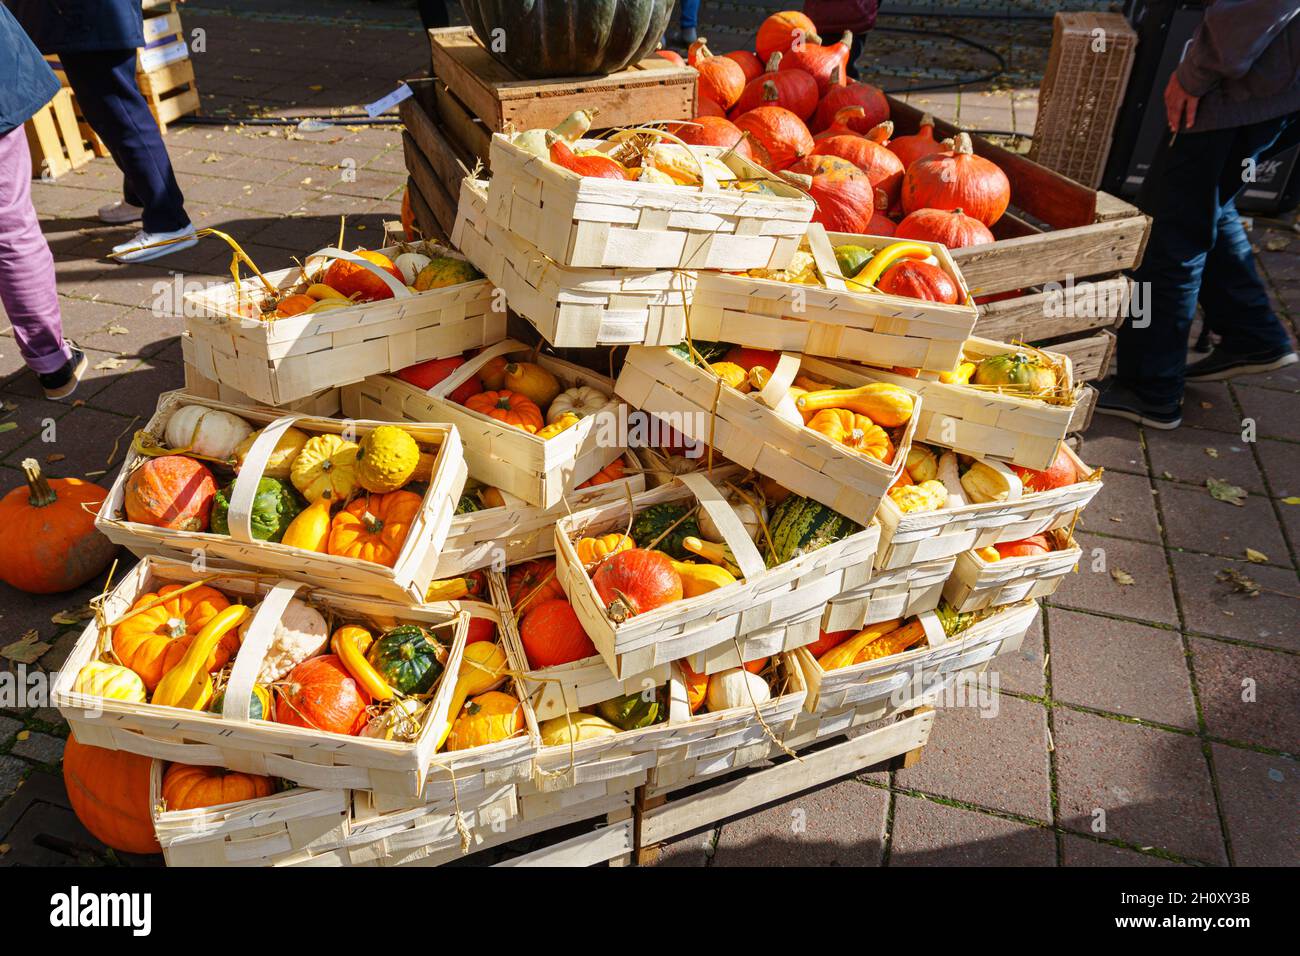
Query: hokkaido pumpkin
{"type": "Point", "coordinates": [51, 542]}
{"type": "Point", "coordinates": [552, 635]}
{"type": "Point", "coordinates": [531, 583]}
{"type": "Point", "coordinates": [353, 279]}
{"type": "Point", "coordinates": [828, 639]}
{"type": "Point", "coordinates": [706, 107]}
{"type": "Point", "coordinates": [828, 65]}
{"type": "Point", "coordinates": [172, 492]}
{"type": "Point", "coordinates": [844, 195]}
{"type": "Point", "coordinates": [486, 719]}
{"type": "Point", "coordinates": [869, 154]}
{"type": "Point", "coordinates": [186, 788]}
{"type": "Point", "coordinates": [635, 582]}
{"type": "Point", "coordinates": [794, 90]}
{"type": "Point", "coordinates": [782, 136]}
{"type": "Point", "coordinates": [1057, 475]}
{"type": "Point", "coordinates": [916, 279]}
{"type": "Point", "coordinates": [875, 107]}
{"type": "Point", "coordinates": [749, 62]}
{"type": "Point", "coordinates": [1030, 547]}
{"type": "Point", "coordinates": [320, 694]}
{"type": "Point", "coordinates": [713, 131]}
{"type": "Point", "coordinates": [109, 792]}
{"type": "Point", "coordinates": [957, 179]}
{"type": "Point", "coordinates": [595, 166]}
{"type": "Point", "coordinates": [611, 472]}
{"type": "Point", "coordinates": [921, 143]}
{"type": "Point", "coordinates": [374, 527]}
{"type": "Point", "coordinates": [425, 375]}
{"type": "Point", "coordinates": [721, 79]}
{"type": "Point", "coordinates": [840, 124]}
{"type": "Point", "coordinates": [780, 31]}
{"type": "Point", "coordinates": [949, 227]}
{"type": "Point", "coordinates": [152, 641]}
{"type": "Point", "coordinates": [696, 686]}
{"type": "Point", "coordinates": [508, 408]}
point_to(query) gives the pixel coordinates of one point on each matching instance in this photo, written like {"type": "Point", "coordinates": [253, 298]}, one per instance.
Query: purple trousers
{"type": "Point", "coordinates": [27, 287]}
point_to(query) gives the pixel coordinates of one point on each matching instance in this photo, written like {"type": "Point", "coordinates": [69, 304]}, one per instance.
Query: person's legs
{"type": "Point", "coordinates": [855, 51]}
{"type": "Point", "coordinates": [690, 15]}
{"type": "Point", "coordinates": [433, 14]}
{"type": "Point", "coordinates": [105, 85]}
{"type": "Point", "coordinates": [27, 285]}
{"type": "Point", "coordinates": [1233, 297]}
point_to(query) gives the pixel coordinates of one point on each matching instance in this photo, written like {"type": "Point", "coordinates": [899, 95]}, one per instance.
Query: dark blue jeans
{"type": "Point", "coordinates": [105, 86]}
{"type": "Point", "coordinates": [1197, 249]}
{"type": "Point", "coordinates": [689, 17]}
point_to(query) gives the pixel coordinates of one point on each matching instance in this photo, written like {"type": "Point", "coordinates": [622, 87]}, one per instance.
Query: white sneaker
{"type": "Point", "coordinates": [120, 212]}
{"type": "Point", "coordinates": [145, 245]}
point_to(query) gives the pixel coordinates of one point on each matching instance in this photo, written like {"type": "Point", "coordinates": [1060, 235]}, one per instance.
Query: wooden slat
{"type": "Point", "coordinates": [1090, 355]}
{"type": "Point", "coordinates": [430, 189]}
{"type": "Point", "coordinates": [425, 220]}
{"type": "Point", "coordinates": [1042, 315]}
{"type": "Point", "coordinates": [462, 128]}
{"type": "Point", "coordinates": [448, 162]}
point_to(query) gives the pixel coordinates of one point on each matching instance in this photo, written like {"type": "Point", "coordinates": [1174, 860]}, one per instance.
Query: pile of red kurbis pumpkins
{"type": "Point", "coordinates": [790, 107]}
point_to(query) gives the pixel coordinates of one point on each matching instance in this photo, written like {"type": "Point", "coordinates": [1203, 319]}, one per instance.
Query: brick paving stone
{"type": "Point", "coordinates": [1248, 694]}
{"type": "Point", "coordinates": [1126, 507]}
{"type": "Point", "coordinates": [85, 437]}
{"type": "Point", "coordinates": [1221, 415]}
{"type": "Point", "coordinates": [1281, 462]}
{"type": "Point", "coordinates": [1080, 851]}
{"type": "Point", "coordinates": [12, 771]}
{"type": "Point", "coordinates": [841, 824]}
{"type": "Point", "coordinates": [1153, 785]}
{"type": "Point", "coordinates": [998, 762]}
{"type": "Point", "coordinates": [1195, 520]}
{"type": "Point", "coordinates": [137, 393]}
{"type": "Point", "coordinates": [1213, 607]}
{"type": "Point", "coordinates": [146, 333]}
{"type": "Point", "coordinates": [1021, 671]}
{"type": "Point", "coordinates": [691, 850]}
{"type": "Point", "coordinates": [1256, 791]}
{"type": "Point", "coordinates": [1275, 413]}
{"type": "Point", "coordinates": [1150, 598]}
{"type": "Point", "coordinates": [39, 747]}
{"type": "Point", "coordinates": [8, 727]}
{"type": "Point", "coordinates": [1181, 455]}
{"type": "Point", "coordinates": [927, 833]}
{"type": "Point", "coordinates": [32, 416]}
{"type": "Point", "coordinates": [26, 385]}
{"type": "Point", "coordinates": [1286, 378]}
{"type": "Point", "coordinates": [1122, 668]}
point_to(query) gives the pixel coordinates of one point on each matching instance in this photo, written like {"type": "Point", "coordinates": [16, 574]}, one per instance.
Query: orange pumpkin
{"type": "Point", "coordinates": [109, 792]}
{"type": "Point", "coordinates": [844, 194]}
{"type": "Point", "coordinates": [696, 686]}
{"type": "Point", "coordinates": [921, 143]}
{"type": "Point", "coordinates": [957, 179]}
{"type": "Point", "coordinates": [486, 719]}
{"type": "Point", "coordinates": [611, 472]}
{"type": "Point", "coordinates": [408, 216]}
{"type": "Point", "coordinates": [749, 63]}
{"type": "Point", "coordinates": [294, 304]}
{"type": "Point", "coordinates": [875, 107]}
{"type": "Point", "coordinates": [828, 639]}
{"type": "Point", "coordinates": [321, 694]}
{"type": "Point", "coordinates": [185, 787]}
{"type": "Point", "coordinates": [508, 407]}
{"type": "Point", "coordinates": [532, 583]}
{"type": "Point", "coordinates": [352, 279]}
{"type": "Point", "coordinates": [782, 30]}
{"type": "Point", "coordinates": [1057, 475]}
{"type": "Point", "coordinates": [374, 527]}
{"type": "Point", "coordinates": [722, 80]}
{"type": "Point", "coordinates": [153, 641]}
{"type": "Point", "coordinates": [493, 373]}
{"type": "Point", "coordinates": [917, 279]}
{"type": "Point", "coordinates": [552, 635]}
{"type": "Point", "coordinates": [51, 541]}
{"type": "Point", "coordinates": [1024, 548]}
{"type": "Point", "coordinates": [171, 491]}
{"type": "Point", "coordinates": [781, 135]}
{"type": "Point", "coordinates": [870, 154]}
{"type": "Point", "coordinates": [635, 582]}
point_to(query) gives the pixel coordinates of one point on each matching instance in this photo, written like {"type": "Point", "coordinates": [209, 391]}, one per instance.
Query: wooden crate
{"type": "Point", "coordinates": [766, 612]}
{"type": "Point", "coordinates": [572, 308]}
{"type": "Point", "coordinates": [312, 758]}
{"type": "Point", "coordinates": [889, 593]}
{"type": "Point", "coordinates": [540, 471]}
{"type": "Point", "coordinates": [165, 78]}
{"type": "Point", "coordinates": [407, 580]}
{"type": "Point", "coordinates": [589, 222]}
{"type": "Point", "coordinates": [906, 539]}
{"type": "Point", "coordinates": [977, 584]}
{"type": "Point", "coordinates": [280, 361]}
{"type": "Point", "coordinates": [54, 138]}
{"type": "Point", "coordinates": [830, 320]}
{"type": "Point", "coordinates": [694, 401]}
{"type": "Point", "coordinates": [436, 160]}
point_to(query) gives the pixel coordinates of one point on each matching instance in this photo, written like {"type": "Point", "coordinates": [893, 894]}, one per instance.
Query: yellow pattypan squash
{"type": "Point", "coordinates": [326, 463]}
{"type": "Point", "coordinates": [386, 459]}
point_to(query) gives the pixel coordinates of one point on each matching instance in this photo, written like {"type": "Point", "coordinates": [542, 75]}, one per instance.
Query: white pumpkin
{"type": "Point", "coordinates": [581, 400]}
{"type": "Point", "coordinates": [209, 432]}
{"type": "Point", "coordinates": [748, 515]}
{"type": "Point", "coordinates": [300, 633]}
{"type": "Point", "coordinates": [735, 687]}
{"type": "Point", "coordinates": [409, 265]}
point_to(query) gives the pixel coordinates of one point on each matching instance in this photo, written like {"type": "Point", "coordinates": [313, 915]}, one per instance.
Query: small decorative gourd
{"type": "Point", "coordinates": [110, 680]}
{"type": "Point", "coordinates": [386, 459]}
{"type": "Point", "coordinates": [189, 685]}
{"type": "Point", "coordinates": [204, 431]}
{"type": "Point", "coordinates": [300, 633]}
{"type": "Point", "coordinates": [326, 462]}
{"type": "Point", "coordinates": [287, 447]}
{"type": "Point", "coordinates": [581, 400]}
{"type": "Point", "coordinates": [735, 687]}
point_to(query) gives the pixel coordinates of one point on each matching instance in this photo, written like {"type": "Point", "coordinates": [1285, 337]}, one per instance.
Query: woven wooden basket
{"type": "Point", "coordinates": [748, 431]}
{"type": "Point", "coordinates": [598, 223]}
{"type": "Point", "coordinates": [907, 539]}
{"type": "Point", "coordinates": [276, 362]}
{"type": "Point", "coordinates": [406, 580]}
{"type": "Point", "coordinates": [903, 680]}
{"type": "Point", "coordinates": [830, 320]}
{"type": "Point", "coordinates": [324, 404]}
{"type": "Point", "coordinates": [984, 423]}
{"type": "Point", "coordinates": [899, 592]}
{"type": "Point", "coordinates": [976, 584]}
{"type": "Point", "coordinates": [572, 308]}
{"type": "Point", "coordinates": [536, 470]}
{"type": "Point", "coordinates": [518, 531]}
{"type": "Point", "coordinates": [313, 758]}
{"type": "Point", "coordinates": [766, 599]}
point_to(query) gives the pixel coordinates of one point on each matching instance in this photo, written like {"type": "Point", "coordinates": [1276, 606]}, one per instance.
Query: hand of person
{"type": "Point", "coordinates": [1179, 105]}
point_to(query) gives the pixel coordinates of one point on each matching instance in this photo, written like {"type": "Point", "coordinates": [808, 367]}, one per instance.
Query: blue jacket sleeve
{"type": "Point", "coordinates": [26, 80]}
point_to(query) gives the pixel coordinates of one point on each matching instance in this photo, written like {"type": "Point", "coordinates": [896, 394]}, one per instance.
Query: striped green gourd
{"type": "Point", "coordinates": [801, 525]}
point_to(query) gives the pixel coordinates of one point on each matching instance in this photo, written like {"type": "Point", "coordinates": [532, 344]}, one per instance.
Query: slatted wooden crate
{"type": "Point", "coordinates": [831, 320]}
{"type": "Point", "coordinates": [750, 433]}
{"type": "Point", "coordinates": [165, 72]}
{"type": "Point", "coordinates": [572, 308]}
{"type": "Point", "coordinates": [285, 359]}
{"type": "Point", "coordinates": [896, 592]}
{"type": "Point", "coordinates": [768, 611]}
{"type": "Point", "coordinates": [406, 580]}
{"type": "Point", "coordinates": [907, 539]}
{"type": "Point", "coordinates": [977, 584]}
{"type": "Point", "coordinates": [539, 471]}
{"type": "Point", "coordinates": [310, 757]}
{"type": "Point", "coordinates": [54, 138]}
{"type": "Point", "coordinates": [589, 222]}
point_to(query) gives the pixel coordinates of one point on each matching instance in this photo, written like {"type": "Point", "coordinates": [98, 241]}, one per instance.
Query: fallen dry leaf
{"type": "Point", "coordinates": [73, 615]}
{"type": "Point", "coordinates": [212, 158]}
{"type": "Point", "coordinates": [118, 330]}
{"type": "Point", "coordinates": [1212, 452]}
{"type": "Point", "coordinates": [1121, 577]}
{"type": "Point", "coordinates": [22, 735]}
{"type": "Point", "coordinates": [1207, 404]}
{"type": "Point", "coordinates": [1221, 490]}
{"type": "Point", "coordinates": [1238, 581]}
{"type": "Point", "coordinates": [26, 650]}
{"type": "Point", "coordinates": [55, 457]}
{"type": "Point", "coordinates": [1276, 243]}
{"type": "Point", "coordinates": [1256, 557]}
{"type": "Point", "coordinates": [109, 364]}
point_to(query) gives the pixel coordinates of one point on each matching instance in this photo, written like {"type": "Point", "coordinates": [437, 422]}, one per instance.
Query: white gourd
{"type": "Point", "coordinates": [209, 432]}
{"type": "Point", "coordinates": [300, 633]}
{"type": "Point", "coordinates": [581, 400]}
{"type": "Point", "coordinates": [948, 475]}
{"type": "Point", "coordinates": [748, 516]}
{"type": "Point", "coordinates": [736, 687]}
{"type": "Point", "coordinates": [399, 722]}
{"type": "Point", "coordinates": [409, 265]}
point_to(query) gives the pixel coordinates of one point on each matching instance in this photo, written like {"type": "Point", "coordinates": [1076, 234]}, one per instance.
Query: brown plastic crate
{"type": "Point", "coordinates": [1083, 87]}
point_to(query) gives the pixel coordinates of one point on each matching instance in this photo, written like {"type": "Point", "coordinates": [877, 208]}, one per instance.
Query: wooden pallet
{"type": "Point", "coordinates": [54, 138]}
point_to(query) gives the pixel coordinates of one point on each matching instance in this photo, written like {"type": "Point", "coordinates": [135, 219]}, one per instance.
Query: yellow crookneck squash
{"type": "Point", "coordinates": [887, 405]}
{"type": "Point", "coordinates": [310, 530]}
{"type": "Point", "coordinates": [188, 684]}
{"type": "Point", "coordinates": [482, 668]}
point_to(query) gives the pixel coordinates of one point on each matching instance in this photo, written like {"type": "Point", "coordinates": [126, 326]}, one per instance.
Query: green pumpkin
{"type": "Point", "coordinates": [651, 522]}
{"type": "Point", "coordinates": [952, 621]}
{"type": "Point", "coordinates": [851, 259]}
{"type": "Point", "coordinates": [710, 351]}
{"type": "Point", "coordinates": [1024, 369]}
{"type": "Point", "coordinates": [633, 711]}
{"type": "Point", "coordinates": [468, 504]}
{"type": "Point", "coordinates": [408, 658]}
{"type": "Point", "coordinates": [800, 525]}
{"type": "Point", "coordinates": [274, 506]}
{"type": "Point", "coordinates": [259, 706]}
{"type": "Point", "coordinates": [564, 38]}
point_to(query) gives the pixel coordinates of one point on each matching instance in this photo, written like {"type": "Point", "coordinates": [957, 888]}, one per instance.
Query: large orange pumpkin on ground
{"type": "Point", "coordinates": [52, 542]}
{"type": "Point", "coordinates": [109, 792]}
{"type": "Point", "coordinates": [352, 278]}
{"type": "Point", "coordinates": [171, 491]}
{"type": "Point", "coordinates": [320, 693]}
{"type": "Point", "coordinates": [185, 787]}
{"type": "Point", "coordinates": [154, 640]}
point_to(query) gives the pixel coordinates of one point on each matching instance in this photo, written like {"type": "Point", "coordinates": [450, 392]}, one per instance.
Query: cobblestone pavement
{"type": "Point", "coordinates": [1144, 723]}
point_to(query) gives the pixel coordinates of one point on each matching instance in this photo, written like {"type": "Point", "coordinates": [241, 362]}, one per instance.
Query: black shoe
{"type": "Point", "coordinates": [1219, 365]}
{"type": "Point", "coordinates": [1122, 402]}
{"type": "Point", "coordinates": [64, 382]}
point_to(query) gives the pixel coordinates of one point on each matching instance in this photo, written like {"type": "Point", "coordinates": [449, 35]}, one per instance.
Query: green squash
{"type": "Point", "coordinates": [259, 706]}
{"type": "Point", "coordinates": [566, 38]}
{"type": "Point", "coordinates": [1027, 370]}
{"type": "Point", "coordinates": [408, 658]}
{"type": "Point", "coordinates": [710, 351]}
{"type": "Point", "coordinates": [952, 621]}
{"type": "Point", "coordinates": [633, 711]}
{"type": "Point", "coordinates": [851, 259]}
{"type": "Point", "coordinates": [651, 522]}
{"type": "Point", "coordinates": [801, 525]}
{"type": "Point", "coordinates": [274, 506]}
{"type": "Point", "coordinates": [468, 503]}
